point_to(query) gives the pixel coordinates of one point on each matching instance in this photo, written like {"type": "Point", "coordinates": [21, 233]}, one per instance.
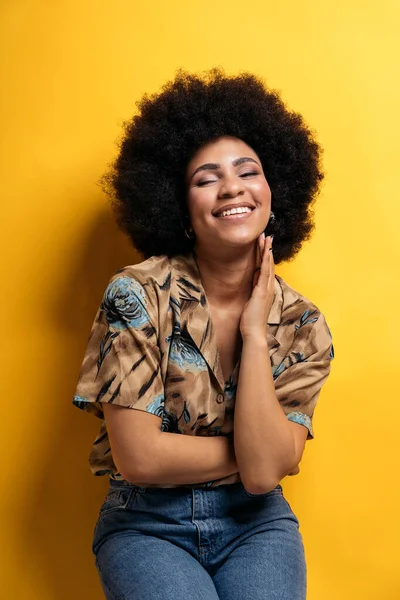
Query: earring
{"type": "Point", "coordinates": [272, 218]}
{"type": "Point", "coordinates": [189, 235]}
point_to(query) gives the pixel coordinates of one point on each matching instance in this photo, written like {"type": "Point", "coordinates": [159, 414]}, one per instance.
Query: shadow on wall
{"type": "Point", "coordinates": [61, 515]}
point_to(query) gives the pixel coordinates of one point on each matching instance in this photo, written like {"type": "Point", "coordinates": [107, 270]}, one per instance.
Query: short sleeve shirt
{"type": "Point", "coordinates": [153, 348]}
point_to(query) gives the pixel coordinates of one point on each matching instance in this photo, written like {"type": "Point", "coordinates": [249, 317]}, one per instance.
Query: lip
{"type": "Point", "coordinates": [230, 206]}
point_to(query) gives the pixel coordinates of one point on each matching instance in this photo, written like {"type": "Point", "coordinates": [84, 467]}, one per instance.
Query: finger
{"type": "Point", "coordinates": [271, 281]}
{"type": "Point", "coordinates": [260, 254]}
{"type": "Point", "coordinates": [265, 270]}
{"type": "Point", "coordinates": [265, 267]}
{"type": "Point", "coordinates": [256, 277]}
{"type": "Point", "coordinates": [261, 247]}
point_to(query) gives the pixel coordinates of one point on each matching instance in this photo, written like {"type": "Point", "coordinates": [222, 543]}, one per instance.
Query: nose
{"type": "Point", "coordinates": [231, 186]}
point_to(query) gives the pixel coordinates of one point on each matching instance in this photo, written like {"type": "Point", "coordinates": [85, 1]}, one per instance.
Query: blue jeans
{"type": "Point", "coordinates": [198, 544]}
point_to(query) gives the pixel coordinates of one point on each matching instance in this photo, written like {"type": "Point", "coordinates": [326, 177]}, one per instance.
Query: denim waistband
{"type": "Point", "coordinates": [123, 483]}
{"type": "Point", "coordinates": [115, 483]}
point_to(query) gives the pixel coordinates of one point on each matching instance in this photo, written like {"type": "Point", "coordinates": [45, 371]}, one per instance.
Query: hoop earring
{"type": "Point", "coordinates": [189, 235]}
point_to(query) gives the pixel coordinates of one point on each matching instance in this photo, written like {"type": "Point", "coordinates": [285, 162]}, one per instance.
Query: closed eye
{"type": "Point", "coordinates": [204, 182]}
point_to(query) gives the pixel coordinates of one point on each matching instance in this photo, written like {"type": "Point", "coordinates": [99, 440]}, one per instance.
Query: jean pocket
{"type": "Point", "coordinates": [116, 499]}
{"type": "Point", "coordinates": [274, 492]}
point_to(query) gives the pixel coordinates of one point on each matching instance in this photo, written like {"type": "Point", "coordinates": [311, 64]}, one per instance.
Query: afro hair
{"type": "Point", "coordinates": [147, 180]}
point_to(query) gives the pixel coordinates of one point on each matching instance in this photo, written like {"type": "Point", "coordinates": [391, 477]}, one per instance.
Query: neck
{"type": "Point", "coordinates": [227, 278]}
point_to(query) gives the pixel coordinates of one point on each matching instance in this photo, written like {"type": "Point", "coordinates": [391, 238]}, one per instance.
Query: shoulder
{"type": "Point", "coordinates": [294, 303]}
{"type": "Point", "coordinates": [150, 270]}
{"type": "Point", "coordinates": [145, 277]}
{"type": "Point", "coordinates": [302, 316]}
{"type": "Point", "coordinates": [158, 274]}
{"type": "Point", "coordinates": [138, 285]}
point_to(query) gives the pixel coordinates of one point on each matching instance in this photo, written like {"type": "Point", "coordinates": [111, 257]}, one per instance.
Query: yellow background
{"type": "Point", "coordinates": [71, 73]}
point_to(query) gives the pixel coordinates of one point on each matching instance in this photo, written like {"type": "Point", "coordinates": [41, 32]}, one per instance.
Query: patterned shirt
{"type": "Point", "coordinates": [153, 348]}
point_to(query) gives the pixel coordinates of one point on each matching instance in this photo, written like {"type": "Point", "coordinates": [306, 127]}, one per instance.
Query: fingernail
{"type": "Point", "coordinates": [263, 235]}
{"type": "Point", "coordinates": [272, 237]}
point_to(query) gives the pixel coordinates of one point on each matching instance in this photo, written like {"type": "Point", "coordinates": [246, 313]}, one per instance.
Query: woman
{"type": "Point", "coordinates": [202, 339]}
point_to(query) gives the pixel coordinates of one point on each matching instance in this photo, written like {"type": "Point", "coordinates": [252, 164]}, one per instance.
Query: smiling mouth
{"type": "Point", "coordinates": [235, 216]}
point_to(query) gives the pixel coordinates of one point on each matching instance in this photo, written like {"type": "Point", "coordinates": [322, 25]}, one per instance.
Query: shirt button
{"type": "Point", "coordinates": [220, 398]}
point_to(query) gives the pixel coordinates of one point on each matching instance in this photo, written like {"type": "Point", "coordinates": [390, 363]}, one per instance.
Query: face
{"type": "Point", "coordinates": [227, 175]}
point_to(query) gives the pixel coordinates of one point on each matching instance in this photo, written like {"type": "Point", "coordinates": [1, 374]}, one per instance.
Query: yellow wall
{"type": "Point", "coordinates": [72, 71]}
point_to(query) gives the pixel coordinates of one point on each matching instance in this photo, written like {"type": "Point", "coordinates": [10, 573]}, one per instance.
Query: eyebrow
{"type": "Point", "coordinates": [215, 166]}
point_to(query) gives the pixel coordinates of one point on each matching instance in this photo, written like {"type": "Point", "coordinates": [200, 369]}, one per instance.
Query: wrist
{"type": "Point", "coordinates": [255, 339]}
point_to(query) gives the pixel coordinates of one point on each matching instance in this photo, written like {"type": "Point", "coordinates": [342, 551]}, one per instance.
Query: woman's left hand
{"type": "Point", "coordinates": [253, 321]}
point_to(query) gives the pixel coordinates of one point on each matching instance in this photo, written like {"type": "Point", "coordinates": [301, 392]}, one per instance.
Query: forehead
{"type": "Point", "coordinates": [222, 150]}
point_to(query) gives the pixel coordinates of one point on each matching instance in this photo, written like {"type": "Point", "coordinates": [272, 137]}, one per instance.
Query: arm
{"type": "Point", "coordinates": [267, 446]}
{"type": "Point", "coordinates": [144, 453]}
{"type": "Point", "coordinates": [121, 381]}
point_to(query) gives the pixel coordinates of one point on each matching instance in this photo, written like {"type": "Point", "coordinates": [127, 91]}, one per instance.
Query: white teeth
{"type": "Point", "coordinates": [233, 211]}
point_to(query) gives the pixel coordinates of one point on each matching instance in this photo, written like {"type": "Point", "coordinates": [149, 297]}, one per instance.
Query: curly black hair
{"type": "Point", "coordinates": [147, 180]}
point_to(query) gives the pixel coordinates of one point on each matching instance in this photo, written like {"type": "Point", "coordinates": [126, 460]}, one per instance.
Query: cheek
{"type": "Point", "coordinates": [199, 201]}
{"type": "Point", "coordinates": [262, 191]}
{"type": "Point", "coordinates": [191, 202]}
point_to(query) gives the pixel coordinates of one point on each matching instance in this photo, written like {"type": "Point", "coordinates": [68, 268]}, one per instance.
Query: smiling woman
{"type": "Point", "coordinates": [203, 340]}
{"type": "Point", "coordinates": [148, 181]}
{"type": "Point", "coordinates": [228, 196]}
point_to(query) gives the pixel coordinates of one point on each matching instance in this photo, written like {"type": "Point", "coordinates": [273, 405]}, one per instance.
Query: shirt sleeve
{"type": "Point", "coordinates": [306, 366]}
{"type": "Point", "coordinates": [121, 364]}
